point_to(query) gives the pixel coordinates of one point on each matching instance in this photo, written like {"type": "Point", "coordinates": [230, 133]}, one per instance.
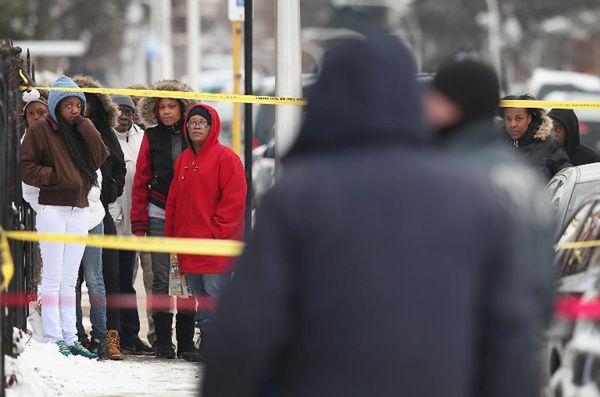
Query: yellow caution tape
{"type": "Point", "coordinates": [8, 267]}
{"type": "Point", "coordinates": [134, 243]}
{"type": "Point", "coordinates": [575, 245]}
{"type": "Point", "coordinates": [551, 104]}
{"type": "Point", "coordinates": [235, 98]}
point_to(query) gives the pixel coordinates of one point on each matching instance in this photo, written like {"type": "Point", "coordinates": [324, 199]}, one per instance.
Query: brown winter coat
{"type": "Point", "coordinates": [46, 163]}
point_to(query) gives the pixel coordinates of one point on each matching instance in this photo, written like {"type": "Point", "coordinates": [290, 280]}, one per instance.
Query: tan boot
{"type": "Point", "coordinates": [113, 351]}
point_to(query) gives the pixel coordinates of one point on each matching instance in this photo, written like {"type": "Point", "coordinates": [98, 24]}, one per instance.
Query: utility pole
{"type": "Point", "coordinates": [193, 43]}
{"type": "Point", "coordinates": [288, 81]}
{"type": "Point", "coordinates": [494, 39]}
{"type": "Point", "coordinates": [166, 39]}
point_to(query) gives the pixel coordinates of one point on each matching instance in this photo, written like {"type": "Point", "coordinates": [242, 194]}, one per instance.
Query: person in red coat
{"type": "Point", "coordinates": [206, 200]}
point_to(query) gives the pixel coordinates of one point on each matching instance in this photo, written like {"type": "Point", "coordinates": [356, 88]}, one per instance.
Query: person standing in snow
{"type": "Point", "coordinates": [566, 130]}
{"type": "Point", "coordinates": [163, 142]}
{"type": "Point", "coordinates": [366, 274]}
{"type": "Point", "coordinates": [60, 156]}
{"type": "Point", "coordinates": [130, 138]}
{"type": "Point", "coordinates": [206, 200]}
{"type": "Point", "coordinates": [102, 111]}
{"type": "Point", "coordinates": [531, 134]}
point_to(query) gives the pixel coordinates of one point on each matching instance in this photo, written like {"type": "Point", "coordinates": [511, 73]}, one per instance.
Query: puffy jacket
{"type": "Point", "coordinates": [542, 149]}
{"type": "Point", "coordinates": [578, 152]}
{"type": "Point", "coordinates": [207, 198]}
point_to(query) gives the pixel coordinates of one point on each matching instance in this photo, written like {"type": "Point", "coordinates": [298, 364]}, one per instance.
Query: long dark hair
{"type": "Point", "coordinates": [99, 117]}
{"type": "Point", "coordinates": [79, 151]}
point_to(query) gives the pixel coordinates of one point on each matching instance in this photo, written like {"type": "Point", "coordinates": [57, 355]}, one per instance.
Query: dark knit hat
{"type": "Point", "coordinates": [199, 111]}
{"type": "Point", "coordinates": [471, 85]}
{"type": "Point", "coordinates": [124, 100]}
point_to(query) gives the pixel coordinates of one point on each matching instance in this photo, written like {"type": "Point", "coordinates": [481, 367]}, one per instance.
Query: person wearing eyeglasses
{"type": "Point", "coordinates": [206, 200]}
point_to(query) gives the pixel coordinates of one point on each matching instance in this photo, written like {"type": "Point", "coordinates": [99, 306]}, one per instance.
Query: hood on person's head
{"type": "Point", "coordinates": [106, 102]}
{"type": "Point", "coordinates": [569, 119]}
{"type": "Point", "coordinates": [147, 106]}
{"type": "Point", "coordinates": [213, 119]}
{"type": "Point", "coordinates": [56, 96]}
{"type": "Point", "coordinates": [367, 93]}
{"type": "Point", "coordinates": [472, 86]}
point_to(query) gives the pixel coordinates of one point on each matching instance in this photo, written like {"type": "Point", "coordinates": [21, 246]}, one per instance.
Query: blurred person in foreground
{"type": "Point", "coordinates": [566, 130]}
{"type": "Point", "coordinates": [377, 266]}
{"type": "Point", "coordinates": [460, 104]}
{"type": "Point", "coordinates": [530, 131]}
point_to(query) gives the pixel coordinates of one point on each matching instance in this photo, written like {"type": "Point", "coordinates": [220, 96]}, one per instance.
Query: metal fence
{"type": "Point", "coordinates": [14, 214]}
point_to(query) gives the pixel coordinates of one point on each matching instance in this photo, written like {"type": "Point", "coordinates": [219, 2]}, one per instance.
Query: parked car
{"type": "Point", "coordinates": [568, 189]}
{"type": "Point", "coordinates": [573, 344]}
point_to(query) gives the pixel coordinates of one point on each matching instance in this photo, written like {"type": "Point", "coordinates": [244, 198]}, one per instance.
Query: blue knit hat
{"type": "Point", "coordinates": [56, 96]}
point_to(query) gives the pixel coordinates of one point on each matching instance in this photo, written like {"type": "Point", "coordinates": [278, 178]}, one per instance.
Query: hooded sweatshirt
{"type": "Point", "coordinates": [207, 197]}
{"type": "Point", "coordinates": [542, 149]}
{"type": "Point", "coordinates": [578, 152]}
{"type": "Point", "coordinates": [377, 266]}
{"type": "Point", "coordinates": [45, 160]}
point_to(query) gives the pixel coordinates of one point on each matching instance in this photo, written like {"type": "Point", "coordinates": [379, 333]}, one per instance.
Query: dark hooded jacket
{"type": "Point", "coordinates": [207, 198]}
{"type": "Point", "coordinates": [542, 149]}
{"type": "Point", "coordinates": [368, 272]}
{"type": "Point", "coordinates": [578, 153]}
{"type": "Point", "coordinates": [160, 148]}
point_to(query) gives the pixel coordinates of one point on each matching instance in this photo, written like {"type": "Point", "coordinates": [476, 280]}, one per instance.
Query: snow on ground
{"type": "Point", "coordinates": [42, 371]}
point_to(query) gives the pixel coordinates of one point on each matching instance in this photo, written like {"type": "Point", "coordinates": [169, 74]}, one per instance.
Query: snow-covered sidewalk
{"type": "Point", "coordinates": [41, 371]}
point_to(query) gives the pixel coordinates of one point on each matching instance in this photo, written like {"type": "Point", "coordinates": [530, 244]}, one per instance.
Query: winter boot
{"type": "Point", "coordinates": [63, 348]}
{"type": "Point", "coordinates": [197, 354]}
{"type": "Point", "coordinates": [79, 350]}
{"type": "Point", "coordinates": [184, 327]}
{"type": "Point", "coordinates": [113, 351]}
{"type": "Point", "coordinates": [164, 343]}
{"type": "Point", "coordinates": [99, 347]}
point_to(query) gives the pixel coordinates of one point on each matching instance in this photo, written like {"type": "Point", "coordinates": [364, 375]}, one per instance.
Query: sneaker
{"type": "Point", "coordinates": [165, 351]}
{"type": "Point", "coordinates": [137, 347]}
{"type": "Point", "coordinates": [113, 352]}
{"type": "Point", "coordinates": [99, 347]}
{"type": "Point", "coordinates": [79, 350]}
{"type": "Point", "coordinates": [63, 348]}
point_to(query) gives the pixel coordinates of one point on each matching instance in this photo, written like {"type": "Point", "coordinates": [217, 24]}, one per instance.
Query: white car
{"type": "Point", "coordinates": [570, 187]}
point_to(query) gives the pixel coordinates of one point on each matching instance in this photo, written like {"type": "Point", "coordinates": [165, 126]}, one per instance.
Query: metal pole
{"type": "Point", "coordinates": [167, 34]}
{"type": "Point", "coordinates": [248, 134]}
{"type": "Point", "coordinates": [193, 44]}
{"type": "Point", "coordinates": [494, 35]}
{"type": "Point", "coordinates": [289, 74]}
{"type": "Point", "coordinates": [236, 132]}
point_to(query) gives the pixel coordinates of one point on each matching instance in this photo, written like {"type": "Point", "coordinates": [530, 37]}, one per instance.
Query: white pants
{"type": "Point", "coordinates": [60, 269]}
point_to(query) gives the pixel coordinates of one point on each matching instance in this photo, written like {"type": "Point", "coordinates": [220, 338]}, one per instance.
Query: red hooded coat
{"type": "Point", "coordinates": [207, 198]}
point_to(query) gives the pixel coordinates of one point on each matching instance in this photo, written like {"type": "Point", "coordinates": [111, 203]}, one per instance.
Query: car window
{"type": "Point", "coordinates": [580, 193]}
{"type": "Point", "coordinates": [585, 226]}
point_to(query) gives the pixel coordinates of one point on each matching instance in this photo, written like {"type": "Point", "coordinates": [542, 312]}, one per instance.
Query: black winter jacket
{"type": "Point", "coordinates": [578, 153]}
{"type": "Point", "coordinates": [113, 176]}
{"type": "Point", "coordinates": [542, 149]}
{"type": "Point", "coordinates": [377, 267]}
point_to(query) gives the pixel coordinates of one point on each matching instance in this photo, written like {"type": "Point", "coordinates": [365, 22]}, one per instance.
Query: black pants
{"type": "Point", "coordinates": [111, 272]}
{"type": "Point", "coordinates": [130, 321]}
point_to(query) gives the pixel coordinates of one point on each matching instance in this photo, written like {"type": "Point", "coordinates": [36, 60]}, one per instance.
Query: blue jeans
{"type": "Point", "coordinates": [91, 272]}
{"type": "Point", "coordinates": [211, 285]}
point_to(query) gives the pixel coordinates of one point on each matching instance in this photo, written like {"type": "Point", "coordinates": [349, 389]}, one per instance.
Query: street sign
{"type": "Point", "coordinates": [236, 10]}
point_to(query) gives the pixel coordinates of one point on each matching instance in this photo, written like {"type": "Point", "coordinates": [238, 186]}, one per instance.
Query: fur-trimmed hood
{"type": "Point", "coordinates": [544, 130]}
{"type": "Point", "coordinates": [107, 103]}
{"type": "Point", "coordinates": [147, 105]}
